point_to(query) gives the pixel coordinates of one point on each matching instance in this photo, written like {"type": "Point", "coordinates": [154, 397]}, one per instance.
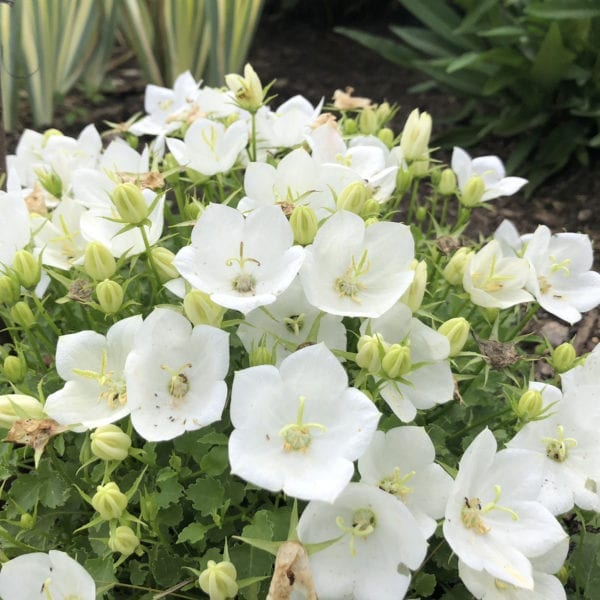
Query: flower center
{"type": "Point", "coordinates": [112, 389]}
{"type": "Point", "coordinates": [472, 512]}
{"type": "Point", "coordinates": [244, 283]}
{"type": "Point", "coordinates": [557, 449]}
{"type": "Point", "coordinates": [349, 283]}
{"type": "Point", "coordinates": [48, 593]}
{"type": "Point", "coordinates": [294, 323]}
{"type": "Point", "coordinates": [395, 484]}
{"type": "Point", "coordinates": [562, 266]}
{"type": "Point", "coordinates": [363, 525]}
{"type": "Point", "coordinates": [296, 436]}
{"type": "Point", "coordinates": [179, 383]}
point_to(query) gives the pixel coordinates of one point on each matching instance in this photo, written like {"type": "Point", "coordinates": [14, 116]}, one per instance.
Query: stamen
{"type": "Point", "coordinates": [348, 284]}
{"type": "Point", "coordinates": [363, 525]}
{"type": "Point", "coordinates": [557, 449]}
{"type": "Point", "coordinates": [179, 384]}
{"type": "Point", "coordinates": [394, 484]}
{"type": "Point", "coordinates": [296, 436]}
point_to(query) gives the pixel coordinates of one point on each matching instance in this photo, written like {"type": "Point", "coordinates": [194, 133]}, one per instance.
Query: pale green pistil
{"type": "Point", "coordinates": [294, 323]}
{"type": "Point", "coordinates": [349, 284]}
{"type": "Point", "coordinates": [395, 484]}
{"type": "Point", "coordinates": [363, 525]}
{"type": "Point", "coordinates": [243, 282]}
{"type": "Point", "coordinates": [472, 512]}
{"type": "Point", "coordinates": [179, 383]}
{"type": "Point", "coordinates": [296, 436]}
{"type": "Point", "coordinates": [112, 388]}
{"type": "Point", "coordinates": [557, 449]}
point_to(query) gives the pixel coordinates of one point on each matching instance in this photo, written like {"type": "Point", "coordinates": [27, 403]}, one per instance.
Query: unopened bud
{"type": "Point", "coordinates": [109, 501]}
{"type": "Point", "coordinates": [371, 209]}
{"type": "Point", "coordinates": [10, 289]}
{"type": "Point", "coordinates": [447, 182]}
{"type": "Point", "coordinates": [350, 126]}
{"type": "Point", "coordinates": [27, 268]}
{"type": "Point", "coordinates": [404, 179]}
{"type": "Point", "coordinates": [109, 442]}
{"type": "Point", "coordinates": [130, 203]}
{"type": "Point", "coordinates": [386, 135]}
{"type": "Point", "coordinates": [530, 405]}
{"type": "Point", "coordinates": [419, 168]}
{"type": "Point", "coordinates": [304, 224]}
{"type": "Point", "coordinates": [163, 262]}
{"type": "Point", "coordinates": [371, 349]}
{"type": "Point", "coordinates": [22, 315]}
{"type": "Point", "coordinates": [248, 89]}
{"type": "Point", "coordinates": [353, 197]}
{"type": "Point", "coordinates": [384, 112]}
{"type": "Point", "coordinates": [14, 368]}
{"type": "Point", "coordinates": [367, 121]}
{"type": "Point", "coordinates": [415, 135]}
{"type": "Point", "coordinates": [123, 540]}
{"type": "Point", "coordinates": [473, 192]}
{"type": "Point", "coordinates": [396, 361]}
{"type": "Point", "coordinates": [261, 355]}
{"type": "Point", "coordinates": [420, 214]}
{"type": "Point", "coordinates": [564, 357]}
{"type": "Point", "coordinates": [27, 521]}
{"type": "Point", "coordinates": [98, 261]}
{"type": "Point", "coordinates": [110, 296]}
{"type": "Point", "coordinates": [457, 331]}
{"type": "Point", "coordinates": [50, 181]}
{"type": "Point", "coordinates": [201, 310]}
{"type": "Point", "coordinates": [218, 580]}
{"type": "Point", "coordinates": [413, 296]}
{"type": "Point", "coordinates": [193, 210]}
{"type": "Point", "coordinates": [454, 271]}
{"type": "Point", "coordinates": [14, 407]}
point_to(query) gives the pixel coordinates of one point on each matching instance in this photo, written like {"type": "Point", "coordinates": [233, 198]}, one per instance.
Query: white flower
{"type": "Point", "coordinates": [298, 428]}
{"type": "Point", "coordinates": [175, 375]}
{"type": "Point", "coordinates": [496, 281]}
{"type": "Point", "coordinates": [401, 462]}
{"type": "Point", "coordinates": [287, 323]}
{"type": "Point", "coordinates": [39, 576]}
{"type": "Point", "coordinates": [493, 521]}
{"type": "Point", "coordinates": [355, 270]}
{"type": "Point", "coordinates": [490, 169]}
{"type": "Point", "coordinates": [208, 147]}
{"type": "Point", "coordinates": [92, 365]}
{"type": "Point", "coordinates": [241, 263]}
{"type": "Point", "coordinates": [381, 542]}
{"type": "Point", "coordinates": [14, 223]}
{"type": "Point", "coordinates": [427, 378]}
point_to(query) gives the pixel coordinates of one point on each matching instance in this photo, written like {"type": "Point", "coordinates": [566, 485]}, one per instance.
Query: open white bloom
{"type": "Point", "coordinates": [355, 270]}
{"type": "Point", "coordinates": [241, 262]}
{"type": "Point", "coordinates": [490, 169]}
{"type": "Point", "coordinates": [545, 586]}
{"type": "Point", "coordinates": [175, 375]}
{"type": "Point", "coordinates": [93, 367]}
{"type": "Point", "coordinates": [381, 542]}
{"type": "Point", "coordinates": [496, 281]}
{"type": "Point", "coordinates": [300, 427]}
{"type": "Point", "coordinates": [494, 522]}
{"type": "Point", "coordinates": [286, 324]}
{"type": "Point", "coordinates": [401, 462]}
{"type": "Point", "coordinates": [208, 147]}
{"type": "Point", "coordinates": [421, 376]}
{"type": "Point", "coordinates": [40, 576]}
{"type": "Point", "coordinates": [14, 223]}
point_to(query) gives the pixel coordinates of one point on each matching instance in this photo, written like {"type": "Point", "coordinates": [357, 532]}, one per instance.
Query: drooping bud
{"type": "Point", "coordinates": [367, 121]}
{"type": "Point", "coordinates": [248, 89]}
{"type": "Point", "coordinates": [353, 197]}
{"type": "Point", "coordinates": [371, 349]}
{"type": "Point", "coordinates": [413, 296]}
{"type": "Point", "coordinates": [530, 405]}
{"type": "Point", "coordinates": [14, 368]}
{"type": "Point", "coordinates": [396, 361]}
{"type": "Point", "coordinates": [109, 442]}
{"type": "Point", "coordinates": [10, 289]}
{"type": "Point", "coordinates": [201, 310]}
{"type": "Point", "coordinates": [123, 540]}
{"type": "Point", "coordinates": [27, 268]}
{"type": "Point", "coordinates": [218, 580]}
{"type": "Point", "coordinates": [98, 261]}
{"type": "Point", "coordinates": [454, 271]}
{"type": "Point", "coordinates": [473, 192]}
{"type": "Point", "coordinates": [110, 296]}
{"type": "Point", "coordinates": [14, 407]}
{"type": "Point", "coordinates": [447, 183]}
{"type": "Point", "coordinates": [457, 331]}
{"type": "Point", "coordinates": [304, 224]}
{"type": "Point", "coordinates": [415, 135]}
{"type": "Point", "coordinates": [109, 501]}
{"type": "Point", "coordinates": [130, 203]}
{"type": "Point", "coordinates": [22, 315]}
{"type": "Point", "coordinates": [163, 262]}
{"type": "Point", "coordinates": [564, 357]}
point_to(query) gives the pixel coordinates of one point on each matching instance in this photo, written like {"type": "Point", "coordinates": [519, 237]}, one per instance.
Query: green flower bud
{"type": "Point", "coordinates": [350, 126]}
{"type": "Point", "coordinates": [457, 331]}
{"type": "Point", "coordinates": [14, 368]}
{"type": "Point", "coordinates": [201, 310]}
{"type": "Point", "coordinates": [10, 289]}
{"type": "Point", "coordinates": [14, 407]}
{"type": "Point", "coordinates": [413, 296]}
{"type": "Point", "coordinates": [50, 181]}
{"type": "Point", "coordinates": [447, 182]}
{"type": "Point", "coordinates": [564, 357]}
{"type": "Point", "coordinates": [473, 192]}
{"type": "Point", "coordinates": [415, 135]}
{"type": "Point", "coordinates": [148, 507]}
{"type": "Point", "coordinates": [27, 268]}
{"type": "Point", "coordinates": [420, 214]}
{"type": "Point", "coordinates": [27, 521]}
{"type": "Point", "coordinates": [261, 355]}
{"type": "Point", "coordinates": [386, 135]}
{"type": "Point", "coordinates": [384, 112]}
{"type": "Point", "coordinates": [218, 580]}
{"type": "Point", "coordinates": [420, 167]}
{"type": "Point", "coordinates": [353, 197]}
{"type": "Point", "coordinates": [109, 501]}
{"type": "Point", "coordinates": [110, 296]}
{"type": "Point", "coordinates": [404, 180]}
{"type": "Point", "coordinates": [367, 121]}
{"type": "Point", "coordinates": [123, 540]}
{"type": "Point", "coordinates": [370, 209]}
{"type": "Point", "coordinates": [454, 271]}
{"type": "Point", "coordinates": [130, 203]}
{"type": "Point", "coordinates": [193, 210]}
{"type": "Point", "coordinates": [304, 224]}
{"type": "Point", "coordinates": [248, 89]}
{"type": "Point", "coordinates": [109, 442]}
{"type": "Point", "coordinates": [563, 574]}
{"type": "Point", "coordinates": [163, 262]}
{"type": "Point", "coordinates": [98, 261]}
{"type": "Point", "coordinates": [530, 405]}
{"type": "Point", "coordinates": [396, 361]}
{"type": "Point", "coordinates": [371, 349]}
{"type": "Point", "coordinates": [22, 315]}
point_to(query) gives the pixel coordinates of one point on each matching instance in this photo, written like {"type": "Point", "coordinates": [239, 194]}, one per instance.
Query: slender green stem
{"type": "Point", "coordinates": [39, 305]}
{"type": "Point", "coordinates": [150, 258]}
{"type": "Point", "coordinates": [479, 423]}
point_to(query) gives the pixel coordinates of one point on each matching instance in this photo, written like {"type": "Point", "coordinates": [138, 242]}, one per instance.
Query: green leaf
{"type": "Point", "coordinates": [385, 47]}
{"type": "Point", "coordinates": [215, 461]}
{"type": "Point", "coordinates": [207, 495]}
{"type": "Point", "coordinates": [194, 532]}
{"type": "Point", "coordinates": [559, 9]}
{"type": "Point", "coordinates": [103, 573]}
{"type": "Point", "coordinates": [164, 566]}
{"type": "Point", "coordinates": [261, 526]}
{"type": "Point", "coordinates": [425, 41]}
{"type": "Point", "coordinates": [552, 59]}
{"type": "Point", "coordinates": [463, 61]}
{"type": "Point", "coordinates": [439, 17]}
{"type": "Point", "coordinates": [169, 492]}
{"type": "Point", "coordinates": [424, 584]}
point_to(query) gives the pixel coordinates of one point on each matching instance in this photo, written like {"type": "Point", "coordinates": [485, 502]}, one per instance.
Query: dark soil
{"type": "Point", "coordinates": [303, 54]}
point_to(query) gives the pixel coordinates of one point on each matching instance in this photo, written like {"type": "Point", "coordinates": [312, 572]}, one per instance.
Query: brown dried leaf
{"type": "Point", "coordinates": [292, 573]}
{"type": "Point", "coordinates": [499, 354]}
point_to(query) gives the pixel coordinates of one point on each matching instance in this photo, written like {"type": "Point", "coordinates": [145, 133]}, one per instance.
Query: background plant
{"type": "Point", "coordinates": [527, 69]}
